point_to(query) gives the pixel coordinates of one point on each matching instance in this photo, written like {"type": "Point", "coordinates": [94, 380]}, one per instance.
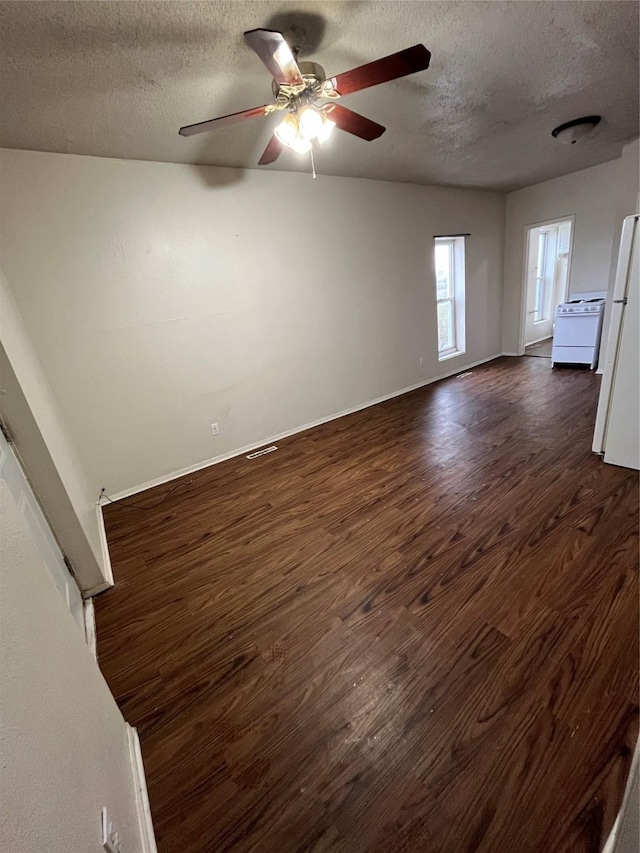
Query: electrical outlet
{"type": "Point", "coordinates": [110, 839]}
{"type": "Point", "coordinates": [422, 362]}
{"type": "Point", "coordinates": [215, 429]}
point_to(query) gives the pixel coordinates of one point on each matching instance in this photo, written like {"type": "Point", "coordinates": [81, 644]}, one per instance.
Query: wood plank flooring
{"type": "Point", "coordinates": [411, 629]}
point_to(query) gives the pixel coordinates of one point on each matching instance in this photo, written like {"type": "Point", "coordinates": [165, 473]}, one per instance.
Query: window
{"type": "Point", "coordinates": [449, 260]}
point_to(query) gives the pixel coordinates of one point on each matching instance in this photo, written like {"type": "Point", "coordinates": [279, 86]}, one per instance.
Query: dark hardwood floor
{"type": "Point", "coordinates": [411, 629]}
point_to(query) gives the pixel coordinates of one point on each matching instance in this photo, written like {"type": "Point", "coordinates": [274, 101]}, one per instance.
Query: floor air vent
{"type": "Point", "coordinates": [262, 452]}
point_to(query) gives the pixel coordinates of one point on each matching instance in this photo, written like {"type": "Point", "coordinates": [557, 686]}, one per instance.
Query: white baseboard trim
{"type": "Point", "coordinates": [142, 798]}
{"type": "Point", "coordinates": [515, 354]}
{"type": "Point", "coordinates": [167, 478]}
{"type": "Point", "coordinates": [90, 627]}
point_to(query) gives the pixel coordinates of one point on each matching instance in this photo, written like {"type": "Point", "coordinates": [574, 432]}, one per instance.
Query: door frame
{"type": "Point", "coordinates": [524, 276]}
{"type": "Point", "coordinates": [49, 547]}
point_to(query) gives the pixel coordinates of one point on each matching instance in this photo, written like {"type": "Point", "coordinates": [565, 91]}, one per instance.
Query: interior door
{"type": "Point", "coordinates": [11, 472]}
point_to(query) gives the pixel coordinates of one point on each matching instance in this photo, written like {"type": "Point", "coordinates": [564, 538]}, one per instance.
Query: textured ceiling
{"type": "Point", "coordinates": [117, 79]}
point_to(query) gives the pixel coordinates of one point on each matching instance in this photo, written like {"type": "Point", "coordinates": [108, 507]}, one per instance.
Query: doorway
{"type": "Point", "coordinates": [547, 269]}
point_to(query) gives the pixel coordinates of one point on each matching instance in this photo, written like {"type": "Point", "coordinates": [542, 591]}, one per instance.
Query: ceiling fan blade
{"type": "Point", "coordinates": [271, 152]}
{"type": "Point", "coordinates": [223, 121]}
{"type": "Point", "coordinates": [354, 123]}
{"type": "Point", "coordinates": [392, 67]}
{"type": "Point", "coordinates": [276, 54]}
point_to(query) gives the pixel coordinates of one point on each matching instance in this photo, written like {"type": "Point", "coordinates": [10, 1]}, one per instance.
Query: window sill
{"type": "Point", "coordinates": [449, 355]}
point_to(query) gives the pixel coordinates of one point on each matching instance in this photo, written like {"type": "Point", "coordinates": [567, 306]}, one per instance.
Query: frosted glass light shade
{"type": "Point", "coordinates": [287, 130]}
{"type": "Point", "coordinates": [325, 132]}
{"type": "Point", "coordinates": [311, 122]}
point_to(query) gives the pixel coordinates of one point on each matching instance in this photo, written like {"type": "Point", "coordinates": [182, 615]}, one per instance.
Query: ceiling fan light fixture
{"type": "Point", "coordinates": [293, 131]}
{"type": "Point", "coordinates": [575, 131]}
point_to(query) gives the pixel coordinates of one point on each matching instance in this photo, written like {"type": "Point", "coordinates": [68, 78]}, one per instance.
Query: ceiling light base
{"type": "Point", "coordinates": [575, 131]}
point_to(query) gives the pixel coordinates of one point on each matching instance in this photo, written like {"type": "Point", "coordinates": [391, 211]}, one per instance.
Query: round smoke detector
{"type": "Point", "coordinates": [575, 131]}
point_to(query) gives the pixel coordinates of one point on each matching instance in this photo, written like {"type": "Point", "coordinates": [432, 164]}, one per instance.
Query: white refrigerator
{"type": "Point", "coordinates": [617, 432]}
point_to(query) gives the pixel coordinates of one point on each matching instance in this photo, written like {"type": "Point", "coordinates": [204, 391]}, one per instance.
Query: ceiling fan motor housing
{"type": "Point", "coordinates": [313, 75]}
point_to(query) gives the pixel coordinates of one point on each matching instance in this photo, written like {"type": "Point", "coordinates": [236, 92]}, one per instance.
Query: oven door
{"type": "Point", "coordinates": [580, 330]}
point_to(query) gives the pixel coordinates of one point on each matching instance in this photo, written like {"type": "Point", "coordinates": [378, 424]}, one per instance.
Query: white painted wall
{"type": "Point", "coordinates": [64, 749]}
{"type": "Point", "coordinates": [599, 198]}
{"type": "Point", "coordinates": [163, 297]}
{"type": "Point", "coordinates": [41, 438]}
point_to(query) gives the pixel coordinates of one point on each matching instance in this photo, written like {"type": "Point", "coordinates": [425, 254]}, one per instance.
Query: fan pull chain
{"type": "Point", "coordinates": [313, 164]}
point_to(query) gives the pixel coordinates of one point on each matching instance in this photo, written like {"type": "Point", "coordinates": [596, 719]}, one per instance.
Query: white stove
{"type": "Point", "coordinates": [577, 330]}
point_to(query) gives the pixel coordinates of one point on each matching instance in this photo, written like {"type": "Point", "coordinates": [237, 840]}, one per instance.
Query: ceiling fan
{"type": "Point", "coordinates": [306, 94]}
